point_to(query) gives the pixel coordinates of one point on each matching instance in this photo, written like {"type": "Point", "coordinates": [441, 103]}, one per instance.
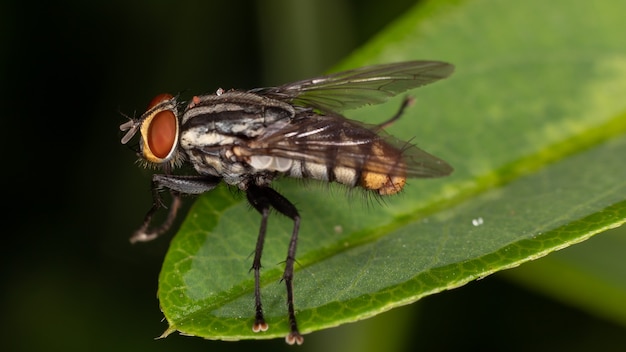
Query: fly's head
{"type": "Point", "coordinates": [159, 130]}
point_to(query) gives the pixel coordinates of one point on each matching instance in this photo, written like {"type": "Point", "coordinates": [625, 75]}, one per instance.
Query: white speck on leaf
{"type": "Point", "coordinates": [477, 222]}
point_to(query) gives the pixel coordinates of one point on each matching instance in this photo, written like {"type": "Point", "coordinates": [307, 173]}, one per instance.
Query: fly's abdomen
{"type": "Point", "coordinates": [341, 174]}
{"type": "Point", "coordinates": [331, 149]}
{"type": "Point", "coordinates": [371, 164]}
{"type": "Point", "coordinates": [349, 153]}
{"type": "Point", "coordinates": [305, 169]}
{"type": "Point", "coordinates": [384, 170]}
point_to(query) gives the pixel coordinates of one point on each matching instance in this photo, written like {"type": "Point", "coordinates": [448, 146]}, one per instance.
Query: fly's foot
{"type": "Point", "coordinates": [142, 236]}
{"type": "Point", "coordinates": [294, 338]}
{"type": "Point", "coordinates": [260, 325]}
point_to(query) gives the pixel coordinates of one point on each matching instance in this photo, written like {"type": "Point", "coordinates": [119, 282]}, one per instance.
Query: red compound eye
{"type": "Point", "coordinates": [158, 99]}
{"type": "Point", "coordinates": [160, 129]}
{"type": "Point", "coordinates": [162, 133]}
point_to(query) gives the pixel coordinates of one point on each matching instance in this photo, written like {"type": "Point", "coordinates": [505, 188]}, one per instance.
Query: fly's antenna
{"type": "Point", "coordinates": [132, 126]}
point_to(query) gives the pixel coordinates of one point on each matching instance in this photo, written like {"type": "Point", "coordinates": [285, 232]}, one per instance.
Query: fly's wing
{"type": "Point", "coordinates": [332, 141]}
{"type": "Point", "coordinates": [358, 87]}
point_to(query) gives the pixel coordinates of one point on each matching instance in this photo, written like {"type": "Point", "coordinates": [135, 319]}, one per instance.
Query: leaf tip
{"type": "Point", "coordinates": [167, 332]}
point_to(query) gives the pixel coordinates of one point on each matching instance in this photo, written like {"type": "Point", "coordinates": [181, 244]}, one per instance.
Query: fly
{"type": "Point", "coordinates": [249, 138]}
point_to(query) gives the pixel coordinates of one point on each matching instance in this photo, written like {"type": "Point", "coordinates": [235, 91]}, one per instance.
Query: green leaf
{"type": "Point", "coordinates": [534, 122]}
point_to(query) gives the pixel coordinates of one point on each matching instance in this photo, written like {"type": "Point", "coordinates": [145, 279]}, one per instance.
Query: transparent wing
{"type": "Point", "coordinates": [332, 140]}
{"type": "Point", "coordinates": [361, 86]}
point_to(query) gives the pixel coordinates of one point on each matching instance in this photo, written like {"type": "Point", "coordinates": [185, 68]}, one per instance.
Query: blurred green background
{"type": "Point", "coordinates": [72, 281]}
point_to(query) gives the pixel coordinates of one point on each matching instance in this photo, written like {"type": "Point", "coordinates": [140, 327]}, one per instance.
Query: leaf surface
{"type": "Point", "coordinates": [534, 122]}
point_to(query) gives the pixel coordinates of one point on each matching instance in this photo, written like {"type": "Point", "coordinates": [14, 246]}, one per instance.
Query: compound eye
{"type": "Point", "coordinates": [160, 129]}
{"type": "Point", "coordinates": [159, 99]}
{"type": "Point", "coordinates": [162, 134]}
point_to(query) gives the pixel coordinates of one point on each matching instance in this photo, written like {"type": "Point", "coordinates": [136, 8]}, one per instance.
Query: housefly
{"type": "Point", "coordinates": [249, 138]}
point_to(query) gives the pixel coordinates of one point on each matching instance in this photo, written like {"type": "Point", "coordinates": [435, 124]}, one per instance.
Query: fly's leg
{"type": "Point", "coordinates": [294, 335]}
{"type": "Point", "coordinates": [408, 101]}
{"type": "Point", "coordinates": [178, 185]}
{"type": "Point", "coordinates": [260, 203]}
{"type": "Point", "coordinates": [145, 235]}
{"type": "Point", "coordinates": [262, 198]}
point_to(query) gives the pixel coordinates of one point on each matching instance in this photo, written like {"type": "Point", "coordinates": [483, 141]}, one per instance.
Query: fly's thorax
{"type": "Point", "coordinates": [214, 125]}
{"type": "Point", "coordinates": [235, 113]}
{"type": "Point", "coordinates": [210, 153]}
{"type": "Point", "coordinates": [217, 164]}
{"type": "Point", "coordinates": [230, 168]}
